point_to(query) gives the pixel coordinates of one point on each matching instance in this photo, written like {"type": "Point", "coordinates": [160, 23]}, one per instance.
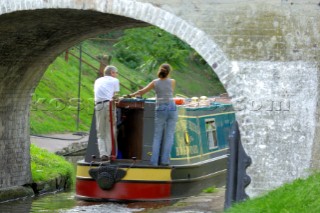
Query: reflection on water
{"type": "Point", "coordinates": [65, 202]}
{"type": "Point", "coordinates": [55, 202]}
{"type": "Point", "coordinates": [16, 206]}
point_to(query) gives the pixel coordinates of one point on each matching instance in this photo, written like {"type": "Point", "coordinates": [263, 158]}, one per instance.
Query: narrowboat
{"type": "Point", "coordinates": [198, 157]}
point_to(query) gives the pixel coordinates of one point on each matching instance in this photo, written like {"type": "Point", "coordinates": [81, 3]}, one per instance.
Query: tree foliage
{"type": "Point", "coordinates": [146, 48]}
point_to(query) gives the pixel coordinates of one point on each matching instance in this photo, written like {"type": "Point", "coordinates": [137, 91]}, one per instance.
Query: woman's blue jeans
{"type": "Point", "coordinates": [166, 116]}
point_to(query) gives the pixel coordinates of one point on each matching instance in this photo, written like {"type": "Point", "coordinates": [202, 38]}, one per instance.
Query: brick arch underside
{"type": "Point", "coordinates": [29, 42]}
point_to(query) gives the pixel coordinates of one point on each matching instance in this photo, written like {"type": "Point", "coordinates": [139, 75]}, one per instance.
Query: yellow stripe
{"type": "Point", "coordinates": [197, 156]}
{"type": "Point", "coordinates": [148, 174]}
{"type": "Point", "coordinates": [201, 116]}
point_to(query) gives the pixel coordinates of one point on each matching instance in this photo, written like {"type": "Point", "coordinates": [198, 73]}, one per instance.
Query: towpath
{"type": "Point", "coordinates": [58, 142]}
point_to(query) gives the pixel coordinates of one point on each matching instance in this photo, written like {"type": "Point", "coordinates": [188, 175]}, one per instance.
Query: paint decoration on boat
{"type": "Point", "coordinates": [198, 156]}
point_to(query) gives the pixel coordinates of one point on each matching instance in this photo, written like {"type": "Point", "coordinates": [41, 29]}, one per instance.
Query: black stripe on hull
{"type": "Point", "coordinates": [194, 187]}
{"type": "Point", "coordinates": [199, 170]}
{"type": "Point", "coordinates": [191, 180]}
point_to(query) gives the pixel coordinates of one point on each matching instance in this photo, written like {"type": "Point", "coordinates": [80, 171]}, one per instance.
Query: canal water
{"type": "Point", "coordinates": [64, 202]}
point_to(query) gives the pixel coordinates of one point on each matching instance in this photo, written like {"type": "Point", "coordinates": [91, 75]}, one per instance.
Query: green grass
{"type": "Point", "coordinates": [211, 189]}
{"type": "Point", "coordinates": [46, 165]}
{"type": "Point", "coordinates": [300, 196]}
{"type": "Point", "coordinates": [54, 102]}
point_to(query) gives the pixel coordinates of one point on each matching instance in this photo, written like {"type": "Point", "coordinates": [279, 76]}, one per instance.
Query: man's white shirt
{"type": "Point", "coordinates": [105, 87]}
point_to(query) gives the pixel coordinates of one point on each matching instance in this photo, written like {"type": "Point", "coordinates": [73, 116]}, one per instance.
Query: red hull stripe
{"type": "Point", "coordinates": [124, 191]}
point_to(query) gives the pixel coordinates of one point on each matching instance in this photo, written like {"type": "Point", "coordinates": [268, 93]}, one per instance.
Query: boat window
{"type": "Point", "coordinates": [211, 133]}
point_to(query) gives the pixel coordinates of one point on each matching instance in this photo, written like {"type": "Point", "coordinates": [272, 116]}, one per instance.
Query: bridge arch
{"type": "Point", "coordinates": [34, 33]}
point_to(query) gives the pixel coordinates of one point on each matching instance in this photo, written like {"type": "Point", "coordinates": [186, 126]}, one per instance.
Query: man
{"type": "Point", "coordinates": [105, 90]}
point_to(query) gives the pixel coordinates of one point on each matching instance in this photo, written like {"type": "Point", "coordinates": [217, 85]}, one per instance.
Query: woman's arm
{"type": "Point", "coordinates": [173, 84]}
{"type": "Point", "coordinates": [146, 89]}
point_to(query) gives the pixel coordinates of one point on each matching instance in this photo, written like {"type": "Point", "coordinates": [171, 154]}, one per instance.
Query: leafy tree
{"type": "Point", "coordinates": [146, 48]}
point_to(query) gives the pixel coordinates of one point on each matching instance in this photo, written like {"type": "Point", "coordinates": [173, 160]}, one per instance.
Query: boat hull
{"type": "Point", "coordinates": [147, 183]}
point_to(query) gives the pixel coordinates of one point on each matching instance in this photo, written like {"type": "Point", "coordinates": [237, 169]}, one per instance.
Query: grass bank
{"type": "Point", "coordinates": [300, 196]}
{"type": "Point", "coordinates": [47, 166]}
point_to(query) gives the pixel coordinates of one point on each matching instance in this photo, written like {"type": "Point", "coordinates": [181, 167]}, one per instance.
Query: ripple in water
{"type": "Point", "coordinates": [108, 208]}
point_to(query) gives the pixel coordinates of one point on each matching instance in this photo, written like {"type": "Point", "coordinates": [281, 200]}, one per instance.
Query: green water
{"type": "Point", "coordinates": [65, 202]}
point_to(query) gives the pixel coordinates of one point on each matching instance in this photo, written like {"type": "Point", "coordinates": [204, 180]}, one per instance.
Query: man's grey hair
{"type": "Point", "coordinates": [109, 69]}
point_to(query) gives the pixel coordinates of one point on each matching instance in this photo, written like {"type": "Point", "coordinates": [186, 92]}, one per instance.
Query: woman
{"type": "Point", "coordinates": [166, 115]}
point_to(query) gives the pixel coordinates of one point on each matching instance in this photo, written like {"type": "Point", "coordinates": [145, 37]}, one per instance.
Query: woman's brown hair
{"type": "Point", "coordinates": [164, 70]}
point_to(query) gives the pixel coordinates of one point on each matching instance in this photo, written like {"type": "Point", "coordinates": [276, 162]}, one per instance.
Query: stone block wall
{"type": "Point", "coordinates": [276, 113]}
{"type": "Point", "coordinates": [14, 138]}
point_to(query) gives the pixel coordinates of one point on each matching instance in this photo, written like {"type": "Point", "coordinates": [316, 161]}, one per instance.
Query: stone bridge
{"type": "Point", "coordinates": [266, 54]}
